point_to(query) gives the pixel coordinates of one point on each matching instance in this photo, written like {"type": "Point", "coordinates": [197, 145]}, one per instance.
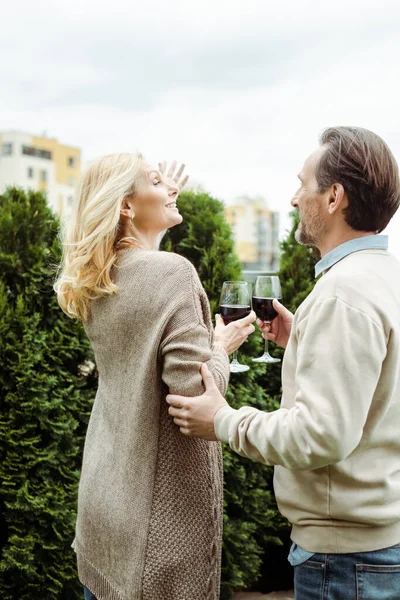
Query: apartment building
{"type": "Point", "coordinates": [256, 233]}
{"type": "Point", "coordinates": [42, 164]}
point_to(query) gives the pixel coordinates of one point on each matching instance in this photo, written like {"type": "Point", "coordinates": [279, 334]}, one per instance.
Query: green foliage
{"type": "Point", "coordinates": [254, 530]}
{"type": "Point", "coordinates": [44, 407]}
{"type": "Point", "coordinates": [251, 518]}
{"type": "Point", "coordinates": [46, 396]}
{"type": "Point", "coordinates": [296, 270]}
{"type": "Point", "coordinates": [204, 238]}
{"type": "Point", "coordinates": [296, 274]}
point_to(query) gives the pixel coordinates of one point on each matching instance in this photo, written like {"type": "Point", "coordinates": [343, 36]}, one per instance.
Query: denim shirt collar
{"type": "Point", "coordinates": [367, 242]}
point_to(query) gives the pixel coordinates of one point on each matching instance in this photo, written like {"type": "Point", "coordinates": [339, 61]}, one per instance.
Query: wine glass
{"type": "Point", "coordinates": [266, 288]}
{"type": "Point", "coordinates": [235, 304]}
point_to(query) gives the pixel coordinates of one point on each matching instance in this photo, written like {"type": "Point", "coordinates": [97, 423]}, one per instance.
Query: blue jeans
{"type": "Point", "coordinates": [88, 595]}
{"type": "Point", "coordinates": [359, 576]}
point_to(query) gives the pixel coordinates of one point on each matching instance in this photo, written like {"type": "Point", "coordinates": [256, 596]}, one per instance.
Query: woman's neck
{"type": "Point", "coordinates": [139, 239]}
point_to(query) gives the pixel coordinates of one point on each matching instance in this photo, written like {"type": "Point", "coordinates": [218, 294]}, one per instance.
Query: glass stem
{"type": "Point", "coordinates": [266, 347]}
{"type": "Point", "coordinates": [234, 357]}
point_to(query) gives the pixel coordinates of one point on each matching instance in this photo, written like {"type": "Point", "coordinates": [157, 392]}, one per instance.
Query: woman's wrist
{"type": "Point", "coordinates": [219, 343]}
{"type": "Point", "coordinates": [218, 339]}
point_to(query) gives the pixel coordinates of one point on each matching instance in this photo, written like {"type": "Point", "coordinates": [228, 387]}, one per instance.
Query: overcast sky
{"type": "Point", "coordinates": [238, 90]}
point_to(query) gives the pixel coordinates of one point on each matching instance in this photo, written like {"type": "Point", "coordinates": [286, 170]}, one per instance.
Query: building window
{"type": "Point", "coordinates": [30, 172]}
{"type": "Point", "coordinates": [30, 151]}
{"type": "Point", "coordinates": [6, 149]}
{"type": "Point", "coordinates": [43, 175]}
{"type": "Point", "coordinates": [71, 161]}
{"type": "Point", "coordinates": [70, 200]}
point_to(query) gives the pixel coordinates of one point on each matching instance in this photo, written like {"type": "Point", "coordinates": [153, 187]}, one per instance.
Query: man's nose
{"type": "Point", "coordinates": [294, 201]}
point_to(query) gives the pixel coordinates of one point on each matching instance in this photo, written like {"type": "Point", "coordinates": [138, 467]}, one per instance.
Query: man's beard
{"type": "Point", "coordinates": [302, 236]}
{"type": "Point", "coordinates": [310, 235]}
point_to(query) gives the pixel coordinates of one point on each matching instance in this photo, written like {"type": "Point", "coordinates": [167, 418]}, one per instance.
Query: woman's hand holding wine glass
{"type": "Point", "coordinates": [233, 335]}
{"type": "Point", "coordinates": [234, 305]}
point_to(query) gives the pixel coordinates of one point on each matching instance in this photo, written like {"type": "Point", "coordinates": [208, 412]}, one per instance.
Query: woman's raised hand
{"type": "Point", "coordinates": [170, 173]}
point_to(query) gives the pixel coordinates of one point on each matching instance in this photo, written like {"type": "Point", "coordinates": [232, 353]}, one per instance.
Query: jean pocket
{"type": "Point", "coordinates": [378, 582]}
{"type": "Point", "coordinates": [309, 579]}
{"type": "Point", "coordinates": [313, 564]}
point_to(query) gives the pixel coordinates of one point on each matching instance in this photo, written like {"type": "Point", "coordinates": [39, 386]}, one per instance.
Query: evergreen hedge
{"type": "Point", "coordinates": [45, 399]}
{"type": "Point", "coordinates": [256, 536]}
{"type": "Point", "coordinates": [252, 522]}
{"type": "Point", "coordinates": [296, 274]}
{"type": "Point", "coordinates": [46, 394]}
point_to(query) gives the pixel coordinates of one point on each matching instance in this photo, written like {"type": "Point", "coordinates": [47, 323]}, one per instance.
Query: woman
{"type": "Point", "coordinates": [150, 499]}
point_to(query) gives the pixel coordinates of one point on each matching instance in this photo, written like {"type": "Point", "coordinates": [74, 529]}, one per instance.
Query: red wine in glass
{"type": "Point", "coordinates": [267, 288]}
{"type": "Point", "coordinates": [264, 309]}
{"type": "Point", "coordinates": [233, 312]}
{"type": "Point", "coordinates": [234, 304]}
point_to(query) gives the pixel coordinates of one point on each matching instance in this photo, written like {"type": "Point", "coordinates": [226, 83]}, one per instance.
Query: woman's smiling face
{"type": "Point", "coordinates": [154, 204]}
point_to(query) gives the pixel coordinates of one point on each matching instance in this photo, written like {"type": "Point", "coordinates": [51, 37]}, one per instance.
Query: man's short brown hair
{"type": "Point", "coordinates": [362, 162]}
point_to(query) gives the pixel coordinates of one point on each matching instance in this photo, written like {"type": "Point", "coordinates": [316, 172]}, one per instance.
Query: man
{"type": "Point", "coordinates": [335, 440]}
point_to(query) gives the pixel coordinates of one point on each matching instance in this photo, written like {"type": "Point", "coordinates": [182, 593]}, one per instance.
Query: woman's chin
{"type": "Point", "coordinates": [175, 220]}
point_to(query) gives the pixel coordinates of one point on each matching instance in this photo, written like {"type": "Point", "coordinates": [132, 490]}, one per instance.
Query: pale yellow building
{"type": "Point", "coordinates": [255, 230]}
{"type": "Point", "coordinates": [42, 164]}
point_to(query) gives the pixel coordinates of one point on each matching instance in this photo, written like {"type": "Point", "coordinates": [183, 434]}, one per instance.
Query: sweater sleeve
{"type": "Point", "coordinates": [339, 360]}
{"type": "Point", "coordinates": [189, 342]}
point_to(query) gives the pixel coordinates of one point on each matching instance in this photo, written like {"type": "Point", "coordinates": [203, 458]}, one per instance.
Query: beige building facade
{"type": "Point", "coordinates": [41, 164]}
{"type": "Point", "coordinates": [255, 230]}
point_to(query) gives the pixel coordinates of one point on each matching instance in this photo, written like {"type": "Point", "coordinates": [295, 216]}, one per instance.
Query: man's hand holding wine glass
{"type": "Point", "coordinates": [195, 416]}
{"type": "Point", "coordinates": [278, 330]}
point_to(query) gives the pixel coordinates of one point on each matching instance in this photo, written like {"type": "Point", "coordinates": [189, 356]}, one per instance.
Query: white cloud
{"type": "Point", "coordinates": [239, 91]}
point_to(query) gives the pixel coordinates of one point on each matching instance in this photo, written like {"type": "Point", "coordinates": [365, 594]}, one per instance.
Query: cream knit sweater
{"type": "Point", "coordinates": [149, 520]}
{"type": "Point", "coordinates": [336, 438]}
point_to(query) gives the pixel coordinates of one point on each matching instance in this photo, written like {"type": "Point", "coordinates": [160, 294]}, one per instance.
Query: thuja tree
{"type": "Point", "coordinates": [251, 519]}
{"type": "Point", "coordinates": [45, 399]}
{"type": "Point", "coordinates": [296, 269]}
{"type": "Point", "coordinates": [296, 275]}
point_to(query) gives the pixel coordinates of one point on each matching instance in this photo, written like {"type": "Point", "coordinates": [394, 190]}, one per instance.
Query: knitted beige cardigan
{"type": "Point", "coordinates": [149, 520]}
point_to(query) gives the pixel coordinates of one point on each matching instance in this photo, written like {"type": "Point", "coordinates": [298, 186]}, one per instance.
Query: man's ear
{"type": "Point", "coordinates": [337, 198]}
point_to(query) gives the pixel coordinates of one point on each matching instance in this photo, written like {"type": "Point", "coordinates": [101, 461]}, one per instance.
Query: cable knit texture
{"type": "Point", "coordinates": [149, 520]}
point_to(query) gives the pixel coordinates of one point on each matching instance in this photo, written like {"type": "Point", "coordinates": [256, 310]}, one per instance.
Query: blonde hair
{"type": "Point", "coordinates": [90, 236]}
